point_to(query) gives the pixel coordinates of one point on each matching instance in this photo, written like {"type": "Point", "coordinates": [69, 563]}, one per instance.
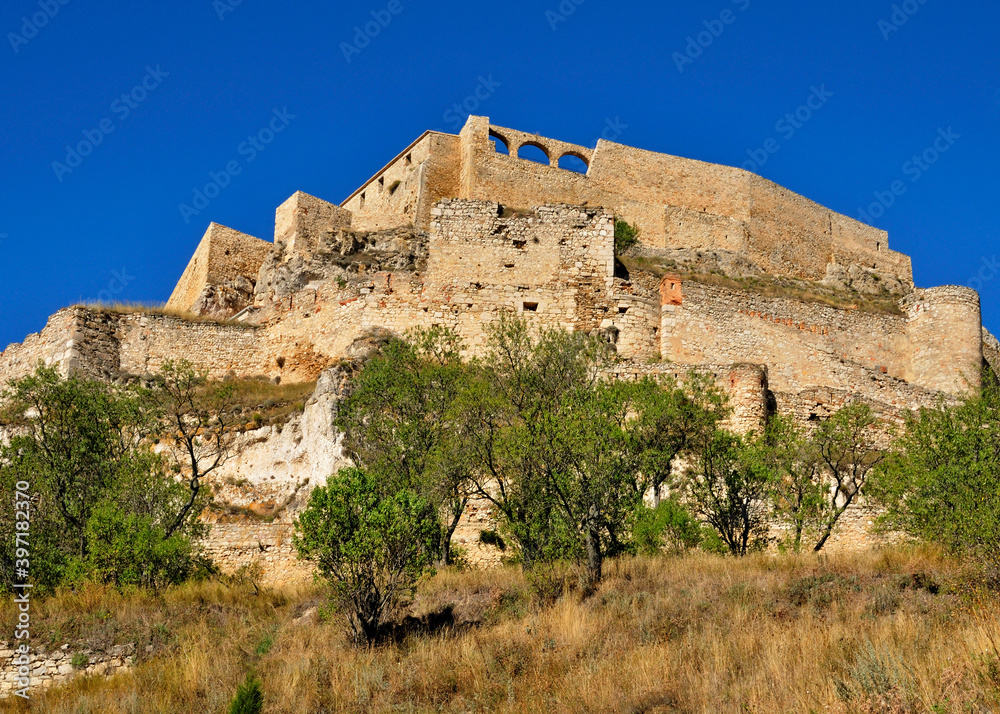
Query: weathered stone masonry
{"type": "Point", "coordinates": [453, 232]}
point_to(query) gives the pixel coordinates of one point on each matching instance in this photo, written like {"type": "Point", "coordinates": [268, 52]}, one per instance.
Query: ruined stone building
{"type": "Point", "coordinates": [792, 307]}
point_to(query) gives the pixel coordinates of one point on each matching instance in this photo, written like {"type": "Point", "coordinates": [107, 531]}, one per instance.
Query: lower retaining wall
{"type": "Point", "coordinates": [47, 669]}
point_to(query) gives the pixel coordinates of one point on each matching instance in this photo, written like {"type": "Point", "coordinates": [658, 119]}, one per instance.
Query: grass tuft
{"type": "Point", "coordinates": [847, 634]}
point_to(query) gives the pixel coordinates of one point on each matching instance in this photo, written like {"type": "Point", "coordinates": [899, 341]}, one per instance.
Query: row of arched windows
{"type": "Point", "coordinates": [533, 151]}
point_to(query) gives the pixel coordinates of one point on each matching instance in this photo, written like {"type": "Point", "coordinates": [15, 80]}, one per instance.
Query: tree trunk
{"type": "Point", "coordinates": [824, 538]}
{"type": "Point", "coordinates": [594, 558]}
{"type": "Point", "coordinates": [457, 510]}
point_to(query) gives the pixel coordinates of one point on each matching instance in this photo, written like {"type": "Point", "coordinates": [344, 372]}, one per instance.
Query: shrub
{"type": "Point", "coordinates": [942, 483]}
{"type": "Point", "coordinates": [370, 544]}
{"type": "Point", "coordinates": [129, 549]}
{"type": "Point", "coordinates": [105, 506]}
{"type": "Point", "coordinates": [669, 525]}
{"type": "Point", "coordinates": [493, 538]}
{"type": "Point", "coordinates": [249, 697]}
{"type": "Point", "coordinates": [79, 660]}
{"type": "Point", "coordinates": [878, 681]}
{"type": "Point", "coordinates": [265, 645]}
{"type": "Point", "coordinates": [626, 236]}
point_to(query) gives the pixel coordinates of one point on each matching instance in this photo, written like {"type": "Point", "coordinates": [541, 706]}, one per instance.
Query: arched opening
{"type": "Point", "coordinates": [574, 163]}
{"type": "Point", "coordinates": [533, 152]}
{"type": "Point", "coordinates": [500, 144]}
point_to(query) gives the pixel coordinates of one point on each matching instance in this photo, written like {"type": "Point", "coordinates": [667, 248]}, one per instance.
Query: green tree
{"type": "Point", "coordinates": [198, 415]}
{"type": "Point", "coordinates": [249, 698]}
{"type": "Point", "coordinates": [728, 487]}
{"type": "Point", "coordinates": [669, 525]}
{"type": "Point", "coordinates": [626, 236]}
{"type": "Point", "coordinates": [369, 542]}
{"type": "Point", "coordinates": [941, 483]}
{"type": "Point", "coordinates": [128, 548]}
{"type": "Point", "coordinates": [84, 448]}
{"type": "Point", "coordinates": [551, 443]}
{"type": "Point", "coordinates": [507, 412]}
{"type": "Point", "coordinates": [399, 422]}
{"type": "Point", "coordinates": [591, 471]}
{"type": "Point", "coordinates": [671, 421]}
{"type": "Point", "coordinates": [847, 447]}
{"type": "Point", "coordinates": [799, 488]}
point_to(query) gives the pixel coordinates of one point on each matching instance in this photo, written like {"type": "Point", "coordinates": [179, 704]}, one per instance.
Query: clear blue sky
{"type": "Point", "coordinates": [112, 226]}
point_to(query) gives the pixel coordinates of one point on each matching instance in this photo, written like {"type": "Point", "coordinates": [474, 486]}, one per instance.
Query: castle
{"type": "Point", "coordinates": [792, 307]}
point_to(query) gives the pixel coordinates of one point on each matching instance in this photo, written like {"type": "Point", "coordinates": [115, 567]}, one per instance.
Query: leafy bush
{"type": "Point", "coordinates": [493, 538]}
{"type": "Point", "coordinates": [626, 236]}
{"type": "Point", "coordinates": [249, 697]}
{"type": "Point", "coordinates": [728, 488]}
{"type": "Point", "coordinates": [371, 544]}
{"type": "Point", "coordinates": [942, 484]}
{"type": "Point", "coordinates": [130, 549]}
{"type": "Point", "coordinates": [669, 525]}
{"type": "Point", "coordinates": [104, 505]}
{"type": "Point", "coordinates": [79, 660]}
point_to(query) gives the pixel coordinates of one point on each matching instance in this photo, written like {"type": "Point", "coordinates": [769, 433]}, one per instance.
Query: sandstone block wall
{"type": "Point", "coordinates": [678, 203]}
{"type": "Point", "coordinates": [991, 351]}
{"type": "Point", "coordinates": [101, 344]}
{"type": "Point", "coordinates": [406, 189]}
{"type": "Point", "coordinates": [222, 255]}
{"type": "Point", "coordinates": [50, 347]}
{"type": "Point", "coordinates": [946, 331]}
{"type": "Point", "coordinates": [302, 221]}
{"type": "Point", "coordinates": [811, 345]}
{"type": "Point", "coordinates": [54, 667]}
{"type": "Point", "coordinates": [147, 341]}
{"type": "Point", "coordinates": [554, 265]}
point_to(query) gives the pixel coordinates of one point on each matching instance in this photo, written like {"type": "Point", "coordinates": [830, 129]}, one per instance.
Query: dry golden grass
{"type": "Point", "coordinates": [770, 286]}
{"type": "Point", "coordinates": [896, 631]}
{"type": "Point", "coordinates": [130, 308]}
{"type": "Point", "coordinates": [260, 400]}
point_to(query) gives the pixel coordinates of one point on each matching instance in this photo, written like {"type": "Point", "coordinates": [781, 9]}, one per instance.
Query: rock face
{"type": "Point", "coordinates": [340, 255]}
{"type": "Point", "coordinates": [225, 300]}
{"type": "Point", "coordinates": [267, 481]}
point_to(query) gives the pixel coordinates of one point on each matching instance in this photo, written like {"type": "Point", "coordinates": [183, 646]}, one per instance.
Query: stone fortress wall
{"type": "Point", "coordinates": [453, 233]}
{"type": "Point", "coordinates": [676, 202]}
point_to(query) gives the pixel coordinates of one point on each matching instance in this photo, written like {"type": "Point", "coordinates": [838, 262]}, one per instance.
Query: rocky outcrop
{"type": "Point", "coordinates": [866, 281]}
{"type": "Point", "coordinates": [342, 255]}
{"type": "Point", "coordinates": [225, 300]}
{"type": "Point", "coordinates": [267, 481]}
